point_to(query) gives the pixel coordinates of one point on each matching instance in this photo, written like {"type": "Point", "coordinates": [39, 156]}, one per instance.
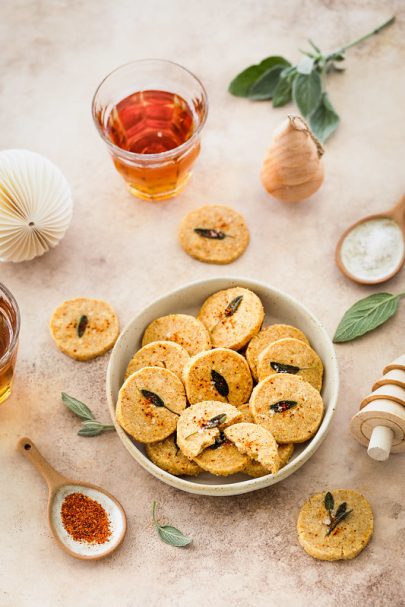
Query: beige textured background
{"type": "Point", "coordinates": [245, 551]}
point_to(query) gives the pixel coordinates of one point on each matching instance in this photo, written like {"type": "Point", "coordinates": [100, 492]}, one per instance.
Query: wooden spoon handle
{"type": "Point", "coordinates": [398, 212]}
{"type": "Point", "coordinates": [29, 450]}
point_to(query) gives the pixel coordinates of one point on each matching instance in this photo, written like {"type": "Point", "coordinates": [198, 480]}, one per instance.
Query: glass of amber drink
{"type": "Point", "coordinates": [150, 113]}
{"type": "Point", "coordinates": [9, 331]}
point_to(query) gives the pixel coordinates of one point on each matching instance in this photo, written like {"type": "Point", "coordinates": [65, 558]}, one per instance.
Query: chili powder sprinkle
{"type": "Point", "coordinates": [85, 519]}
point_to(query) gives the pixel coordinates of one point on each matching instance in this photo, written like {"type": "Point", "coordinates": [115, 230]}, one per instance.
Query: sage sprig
{"type": "Point", "coordinates": [169, 534]}
{"type": "Point", "coordinates": [334, 518]}
{"type": "Point", "coordinates": [90, 426]}
{"type": "Point", "coordinates": [304, 83]}
{"type": "Point", "coordinates": [366, 315]}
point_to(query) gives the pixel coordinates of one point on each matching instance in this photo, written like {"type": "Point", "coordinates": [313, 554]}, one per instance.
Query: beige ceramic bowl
{"type": "Point", "coordinates": [279, 307]}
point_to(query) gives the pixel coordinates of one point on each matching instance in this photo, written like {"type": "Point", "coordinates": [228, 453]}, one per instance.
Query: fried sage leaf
{"type": "Point", "coordinates": [338, 518]}
{"type": "Point", "coordinates": [280, 368]}
{"type": "Point", "coordinates": [220, 383]}
{"type": "Point", "coordinates": [366, 315]}
{"type": "Point", "coordinates": [215, 421]}
{"type": "Point", "coordinates": [155, 399]}
{"type": "Point", "coordinates": [219, 440]}
{"type": "Point", "coordinates": [329, 502]}
{"type": "Point", "coordinates": [169, 534]}
{"type": "Point", "coordinates": [210, 233]}
{"type": "Point", "coordinates": [282, 405]}
{"type": "Point", "coordinates": [82, 325]}
{"type": "Point", "coordinates": [233, 306]}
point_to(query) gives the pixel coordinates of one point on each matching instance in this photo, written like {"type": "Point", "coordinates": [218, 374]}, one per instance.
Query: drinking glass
{"type": "Point", "coordinates": [9, 331]}
{"type": "Point", "coordinates": [150, 114]}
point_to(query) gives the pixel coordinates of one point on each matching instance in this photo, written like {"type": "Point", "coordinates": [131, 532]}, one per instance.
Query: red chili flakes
{"type": "Point", "coordinates": [85, 519]}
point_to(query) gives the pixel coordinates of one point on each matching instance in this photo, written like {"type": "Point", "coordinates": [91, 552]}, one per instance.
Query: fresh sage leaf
{"type": "Point", "coordinates": [220, 383]}
{"type": "Point", "coordinates": [324, 121]}
{"type": "Point", "coordinates": [314, 46]}
{"type": "Point", "coordinates": [329, 501]}
{"type": "Point", "coordinates": [241, 84]}
{"type": "Point", "coordinates": [307, 92]}
{"type": "Point", "coordinates": [169, 534]}
{"type": "Point", "coordinates": [280, 368]}
{"type": "Point", "coordinates": [282, 93]}
{"type": "Point", "coordinates": [210, 233]}
{"type": "Point", "coordinates": [215, 421]}
{"type": "Point", "coordinates": [366, 315]}
{"type": "Point", "coordinates": [233, 306]}
{"type": "Point", "coordinates": [77, 407]}
{"type": "Point", "coordinates": [306, 65]}
{"type": "Point", "coordinates": [283, 405]}
{"type": "Point", "coordinates": [94, 428]}
{"type": "Point", "coordinates": [265, 86]}
{"type": "Point", "coordinates": [82, 324]}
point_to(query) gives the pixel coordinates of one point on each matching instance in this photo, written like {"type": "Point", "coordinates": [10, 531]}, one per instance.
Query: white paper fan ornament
{"type": "Point", "coordinates": [35, 205]}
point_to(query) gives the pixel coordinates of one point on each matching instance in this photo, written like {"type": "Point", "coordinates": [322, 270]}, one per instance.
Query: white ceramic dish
{"type": "Point", "coordinates": [279, 307]}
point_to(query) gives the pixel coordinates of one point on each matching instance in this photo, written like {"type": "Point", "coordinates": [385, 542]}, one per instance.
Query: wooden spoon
{"type": "Point", "coordinates": [397, 214]}
{"type": "Point", "coordinates": [59, 487]}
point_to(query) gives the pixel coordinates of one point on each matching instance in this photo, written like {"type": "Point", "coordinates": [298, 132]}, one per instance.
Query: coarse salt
{"type": "Point", "coordinates": [373, 249]}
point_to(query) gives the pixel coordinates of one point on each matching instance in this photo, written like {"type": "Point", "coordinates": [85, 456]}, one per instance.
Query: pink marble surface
{"type": "Point", "coordinates": [245, 550]}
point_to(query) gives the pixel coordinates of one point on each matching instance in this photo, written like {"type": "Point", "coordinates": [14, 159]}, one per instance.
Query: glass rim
{"type": "Point", "coordinates": [16, 331]}
{"type": "Point", "coordinates": [161, 155]}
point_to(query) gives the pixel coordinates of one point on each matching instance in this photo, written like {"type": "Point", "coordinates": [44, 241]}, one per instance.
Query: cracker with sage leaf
{"type": "Point", "coordinates": [214, 234]}
{"type": "Point", "coordinates": [256, 442]}
{"type": "Point", "coordinates": [288, 406]}
{"type": "Point", "coordinates": [335, 525]}
{"type": "Point", "coordinates": [291, 356]}
{"type": "Point", "coordinates": [84, 328]}
{"type": "Point", "coordinates": [232, 316]}
{"type": "Point", "coordinates": [254, 469]}
{"type": "Point", "coordinates": [183, 329]}
{"type": "Point", "coordinates": [267, 336]}
{"type": "Point", "coordinates": [222, 458]}
{"type": "Point", "coordinates": [166, 354]}
{"type": "Point", "coordinates": [149, 404]}
{"type": "Point", "coordinates": [219, 374]}
{"type": "Point", "coordinates": [200, 425]}
{"type": "Point", "coordinates": [167, 455]}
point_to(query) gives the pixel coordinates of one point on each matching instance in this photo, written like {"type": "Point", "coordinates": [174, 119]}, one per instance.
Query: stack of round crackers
{"type": "Point", "coordinates": [220, 393]}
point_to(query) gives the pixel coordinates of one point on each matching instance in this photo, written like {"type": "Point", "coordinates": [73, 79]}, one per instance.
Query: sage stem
{"type": "Point", "coordinates": [359, 40]}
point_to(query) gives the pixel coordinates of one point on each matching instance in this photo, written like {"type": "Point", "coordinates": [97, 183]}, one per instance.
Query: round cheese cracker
{"type": "Point", "coordinates": [167, 455]}
{"type": "Point", "coordinates": [222, 458]}
{"type": "Point", "coordinates": [200, 425]}
{"type": "Point", "coordinates": [149, 404]}
{"type": "Point", "coordinates": [267, 336]}
{"type": "Point", "coordinates": [291, 356]}
{"type": "Point", "coordinates": [256, 442]}
{"type": "Point", "coordinates": [253, 468]}
{"type": "Point", "coordinates": [232, 317]}
{"type": "Point", "coordinates": [218, 374]}
{"type": "Point", "coordinates": [214, 234]}
{"type": "Point", "coordinates": [166, 354]}
{"type": "Point", "coordinates": [348, 538]}
{"type": "Point", "coordinates": [84, 328]}
{"type": "Point", "coordinates": [289, 407]}
{"type": "Point", "coordinates": [183, 329]}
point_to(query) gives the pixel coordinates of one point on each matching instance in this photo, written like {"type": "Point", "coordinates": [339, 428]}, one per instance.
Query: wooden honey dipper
{"type": "Point", "coordinates": [380, 422]}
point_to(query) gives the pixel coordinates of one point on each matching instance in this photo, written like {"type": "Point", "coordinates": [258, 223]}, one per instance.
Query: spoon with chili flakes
{"type": "Point", "coordinates": [86, 521]}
